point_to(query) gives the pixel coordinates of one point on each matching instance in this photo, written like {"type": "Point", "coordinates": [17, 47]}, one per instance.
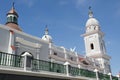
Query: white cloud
{"type": "Point", "coordinates": [118, 13]}
{"type": "Point", "coordinates": [28, 3]}
{"type": "Point", "coordinates": [107, 43]}
{"type": "Point", "coordinates": [76, 28]}
{"type": "Point", "coordinates": [79, 3]}
{"type": "Point", "coordinates": [83, 52]}
{"type": "Point", "coordinates": [63, 3]}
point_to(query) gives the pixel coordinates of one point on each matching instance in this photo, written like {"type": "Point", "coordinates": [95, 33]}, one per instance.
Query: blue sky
{"type": "Point", "coordinates": [66, 21]}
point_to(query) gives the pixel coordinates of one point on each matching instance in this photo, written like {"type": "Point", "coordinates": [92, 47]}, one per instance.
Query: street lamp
{"type": "Point", "coordinates": [67, 67]}
{"type": "Point", "coordinates": [118, 76]}
{"type": "Point", "coordinates": [96, 71]}
{"type": "Point", "coordinates": [110, 76]}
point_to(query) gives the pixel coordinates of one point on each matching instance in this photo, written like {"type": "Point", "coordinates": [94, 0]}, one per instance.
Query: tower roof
{"type": "Point", "coordinates": [91, 21]}
{"type": "Point", "coordinates": [13, 26]}
{"type": "Point", "coordinates": [46, 36]}
{"type": "Point", "coordinates": [13, 11]}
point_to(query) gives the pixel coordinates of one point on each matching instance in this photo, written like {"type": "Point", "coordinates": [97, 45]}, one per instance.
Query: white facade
{"type": "Point", "coordinates": [17, 42]}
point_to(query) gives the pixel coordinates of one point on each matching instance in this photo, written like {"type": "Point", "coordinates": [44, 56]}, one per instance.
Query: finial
{"type": "Point", "coordinates": [13, 5]}
{"type": "Point", "coordinates": [89, 7]}
{"type": "Point", "coordinates": [46, 30]}
{"type": "Point", "coordinates": [90, 12]}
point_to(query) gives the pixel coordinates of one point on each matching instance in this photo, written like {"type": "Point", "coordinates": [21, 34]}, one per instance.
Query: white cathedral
{"type": "Point", "coordinates": [14, 41]}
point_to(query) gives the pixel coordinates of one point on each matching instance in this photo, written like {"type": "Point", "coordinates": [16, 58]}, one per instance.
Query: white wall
{"type": "Point", "coordinates": [94, 38]}
{"type": "Point", "coordinates": [42, 52]}
{"type": "Point", "coordinates": [4, 39]}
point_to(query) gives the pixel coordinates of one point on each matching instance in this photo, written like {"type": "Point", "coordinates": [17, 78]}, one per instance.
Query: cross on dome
{"type": "Point", "coordinates": [13, 5]}
{"type": "Point", "coordinates": [90, 12]}
{"type": "Point", "coordinates": [46, 36]}
{"type": "Point", "coordinates": [46, 30]}
{"type": "Point", "coordinates": [12, 11]}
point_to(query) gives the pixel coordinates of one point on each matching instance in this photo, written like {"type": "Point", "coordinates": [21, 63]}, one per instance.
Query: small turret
{"type": "Point", "coordinates": [12, 19]}
{"type": "Point", "coordinates": [46, 36]}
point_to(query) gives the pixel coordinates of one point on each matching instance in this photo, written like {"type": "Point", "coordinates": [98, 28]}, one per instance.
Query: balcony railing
{"type": "Point", "coordinates": [47, 66]}
{"type": "Point", "coordinates": [40, 65]}
{"type": "Point", "coordinates": [81, 72]}
{"type": "Point", "coordinates": [11, 60]}
{"type": "Point", "coordinates": [114, 78]}
{"type": "Point", "coordinates": [103, 76]}
{"type": "Point", "coordinates": [106, 77]}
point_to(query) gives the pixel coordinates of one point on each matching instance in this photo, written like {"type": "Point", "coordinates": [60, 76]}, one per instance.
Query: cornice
{"type": "Point", "coordinates": [93, 32]}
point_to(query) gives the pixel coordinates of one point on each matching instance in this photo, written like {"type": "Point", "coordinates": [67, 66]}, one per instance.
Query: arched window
{"type": "Point", "coordinates": [9, 19]}
{"type": "Point", "coordinates": [71, 58]}
{"type": "Point", "coordinates": [102, 46]}
{"type": "Point", "coordinates": [91, 46]}
{"type": "Point", "coordinates": [15, 19]}
{"type": "Point", "coordinates": [55, 53]}
{"type": "Point", "coordinates": [95, 28]}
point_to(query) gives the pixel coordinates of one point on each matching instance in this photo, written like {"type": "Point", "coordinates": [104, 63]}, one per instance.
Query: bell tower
{"type": "Point", "coordinates": [94, 43]}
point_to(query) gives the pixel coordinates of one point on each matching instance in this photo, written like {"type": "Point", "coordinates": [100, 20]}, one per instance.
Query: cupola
{"type": "Point", "coordinates": [12, 19]}
{"type": "Point", "coordinates": [46, 36]}
{"type": "Point", "coordinates": [92, 23]}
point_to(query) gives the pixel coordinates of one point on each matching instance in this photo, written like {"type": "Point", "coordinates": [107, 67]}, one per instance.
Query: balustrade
{"type": "Point", "coordinates": [40, 65]}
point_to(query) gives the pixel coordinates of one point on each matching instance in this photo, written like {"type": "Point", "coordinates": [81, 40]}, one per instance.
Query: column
{"type": "Point", "coordinates": [50, 48]}
{"type": "Point", "coordinates": [25, 63]}
{"type": "Point", "coordinates": [11, 47]}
